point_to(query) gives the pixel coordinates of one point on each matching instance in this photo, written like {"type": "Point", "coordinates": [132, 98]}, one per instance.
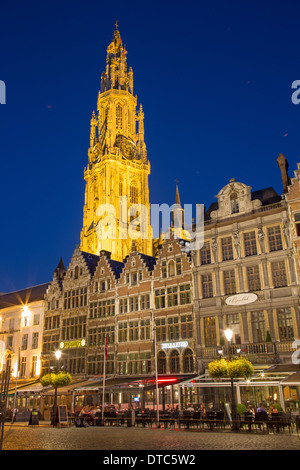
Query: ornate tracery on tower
{"type": "Point", "coordinates": [118, 164]}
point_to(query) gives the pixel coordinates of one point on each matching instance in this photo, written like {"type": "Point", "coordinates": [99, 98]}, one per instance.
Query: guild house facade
{"type": "Point", "coordinates": [145, 292]}
{"type": "Point", "coordinates": [245, 277]}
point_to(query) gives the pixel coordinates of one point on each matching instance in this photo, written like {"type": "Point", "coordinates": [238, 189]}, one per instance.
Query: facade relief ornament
{"type": "Point", "coordinates": [261, 239]}
{"type": "Point", "coordinates": [286, 233]}
{"type": "Point", "coordinates": [237, 243]}
{"type": "Point", "coordinates": [214, 246]}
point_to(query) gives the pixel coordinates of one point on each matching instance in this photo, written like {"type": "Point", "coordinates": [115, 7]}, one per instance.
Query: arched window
{"type": "Point", "coordinates": [161, 362]}
{"type": "Point", "coordinates": [234, 203]}
{"type": "Point", "coordinates": [188, 361]}
{"type": "Point", "coordinates": [171, 268]}
{"type": "Point", "coordinates": [133, 193]}
{"type": "Point", "coordinates": [174, 362]}
{"type": "Point", "coordinates": [76, 272]}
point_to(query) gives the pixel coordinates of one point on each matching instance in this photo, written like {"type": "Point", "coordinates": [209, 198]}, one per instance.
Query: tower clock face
{"type": "Point", "coordinates": [127, 147]}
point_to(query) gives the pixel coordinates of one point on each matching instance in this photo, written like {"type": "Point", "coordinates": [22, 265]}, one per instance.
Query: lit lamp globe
{"type": "Point", "coordinates": [228, 334]}
{"type": "Point", "coordinates": [58, 355]}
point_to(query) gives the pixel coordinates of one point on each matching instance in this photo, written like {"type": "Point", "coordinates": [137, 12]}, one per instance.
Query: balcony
{"type": "Point", "coordinates": [248, 350]}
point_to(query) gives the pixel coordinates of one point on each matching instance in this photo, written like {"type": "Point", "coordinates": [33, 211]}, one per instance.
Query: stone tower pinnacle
{"type": "Point", "coordinates": [117, 162]}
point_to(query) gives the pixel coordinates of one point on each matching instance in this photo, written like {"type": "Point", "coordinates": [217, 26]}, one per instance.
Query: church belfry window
{"type": "Point", "coordinates": [119, 120]}
{"type": "Point", "coordinates": [234, 203]}
{"type": "Point", "coordinates": [133, 194]}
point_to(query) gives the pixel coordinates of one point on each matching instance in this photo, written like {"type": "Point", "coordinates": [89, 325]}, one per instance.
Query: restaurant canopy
{"type": "Point", "coordinates": [129, 384]}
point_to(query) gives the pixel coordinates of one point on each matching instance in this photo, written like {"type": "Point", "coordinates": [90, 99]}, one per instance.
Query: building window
{"type": "Point", "coordinates": [186, 326]}
{"type": "Point", "coordinates": [134, 330]}
{"type": "Point", "coordinates": [50, 343]}
{"type": "Point", "coordinates": [76, 271]}
{"type": "Point", "coordinates": [173, 328]}
{"type": "Point", "coordinates": [103, 308]}
{"type": "Point", "coordinates": [145, 302]}
{"type": "Point", "coordinates": [74, 328]}
{"type": "Point", "coordinates": [205, 253]}
{"type": "Point", "coordinates": [185, 294]}
{"type": "Point", "coordinates": [250, 244]}
{"type": "Point", "coordinates": [229, 282]}
{"type": "Point", "coordinates": [274, 236]}
{"type": "Point", "coordinates": [210, 331]}
{"type": "Point", "coordinates": [207, 286]}
{"type": "Point", "coordinates": [33, 366]}
{"type": "Point", "coordinates": [96, 336]}
{"type": "Point", "coordinates": [172, 296]}
{"type": "Point", "coordinates": [162, 362]}
{"type": "Point", "coordinates": [9, 342]}
{"type": "Point", "coordinates": [133, 279]}
{"type": "Point", "coordinates": [122, 332]}
{"type": "Point", "coordinates": [253, 278]}
{"type": "Point", "coordinates": [145, 329]}
{"type": "Point", "coordinates": [279, 274]}
{"type": "Point", "coordinates": [188, 361]}
{"type": "Point", "coordinates": [139, 363]}
{"type": "Point", "coordinates": [227, 250]}
{"type": "Point", "coordinates": [164, 269]}
{"type": "Point", "coordinates": [178, 266]}
{"type": "Point", "coordinates": [95, 364]}
{"type": "Point", "coordinates": [160, 300]}
{"type": "Point", "coordinates": [174, 362]}
{"type": "Point", "coordinates": [161, 329]}
{"type": "Point", "coordinates": [258, 327]}
{"type": "Point", "coordinates": [123, 305]}
{"type": "Point", "coordinates": [35, 340]}
{"type": "Point", "coordinates": [23, 367]}
{"type": "Point", "coordinates": [75, 298]}
{"type": "Point", "coordinates": [133, 304]}
{"type": "Point", "coordinates": [36, 319]}
{"type": "Point", "coordinates": [285, 324]}
{"type": "Point", "coordinates": [297, 224]}
{"type": "Point", "coordinates": [122, 364]}
{"type": "Point", "coordinates": [24, 344]}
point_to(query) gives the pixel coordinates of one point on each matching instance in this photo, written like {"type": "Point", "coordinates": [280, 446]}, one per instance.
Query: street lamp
{"type": "Point", "coordinates": [54, 417]}
{"type": "Point", "coordinates": [228, 334]}
{"type": "Point", "coordinates": [58, 356]}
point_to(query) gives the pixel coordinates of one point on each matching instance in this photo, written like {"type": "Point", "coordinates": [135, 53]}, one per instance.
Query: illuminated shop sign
{"type": "Point", "coordinates": [178, 344]}
{"type": "Point", "coordinates": [72, 344]}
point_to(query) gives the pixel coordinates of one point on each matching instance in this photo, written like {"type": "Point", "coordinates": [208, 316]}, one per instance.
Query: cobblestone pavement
{"type": "Point", "coordinates": [115, 438]}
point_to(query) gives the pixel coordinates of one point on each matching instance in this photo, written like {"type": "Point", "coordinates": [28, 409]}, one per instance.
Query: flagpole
{"type": "Point", "coordinates": [15, 396]}
{"type": "Point", "coordinates": [156, 377]}
{"type": "Point", "coordinates": [104, 371]}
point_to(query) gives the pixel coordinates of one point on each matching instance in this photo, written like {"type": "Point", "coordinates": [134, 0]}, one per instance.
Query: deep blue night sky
{"type": "Point", "coordinates": [214, 78]}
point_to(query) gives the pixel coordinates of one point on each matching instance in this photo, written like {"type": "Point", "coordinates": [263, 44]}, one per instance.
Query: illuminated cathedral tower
{"type": "Point", "coordinates": [118, 165]}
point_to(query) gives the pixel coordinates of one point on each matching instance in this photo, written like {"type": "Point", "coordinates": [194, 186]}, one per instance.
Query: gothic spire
{"type": "Point", "coordinates": [116, 75]}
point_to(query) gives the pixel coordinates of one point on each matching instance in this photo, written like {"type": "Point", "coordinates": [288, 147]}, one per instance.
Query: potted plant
{"type": "Point", "coordinates": [233, 368]}
{"type": "Point", "coordinates": [241, 410]}
{"type": "Point", "coordinates": [60, 379]}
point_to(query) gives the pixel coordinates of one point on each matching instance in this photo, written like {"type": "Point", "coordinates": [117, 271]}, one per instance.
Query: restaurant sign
{"type": "Point", "coordinates": [241, 299]}
{"type": "Point", "coordinates": [72, 344]}
{"type": "Point", "coordinates": [178, 344]}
